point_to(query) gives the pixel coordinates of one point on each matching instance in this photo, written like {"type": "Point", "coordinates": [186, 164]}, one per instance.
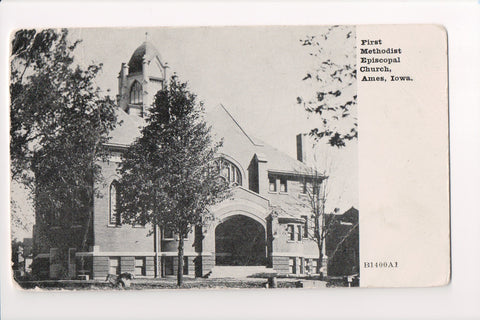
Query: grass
{"type": "Point", "coordinates": [149, 284]}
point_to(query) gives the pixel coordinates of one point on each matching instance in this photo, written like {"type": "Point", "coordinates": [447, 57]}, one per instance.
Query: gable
{"type": "Point", "coordinates": [241, 146]}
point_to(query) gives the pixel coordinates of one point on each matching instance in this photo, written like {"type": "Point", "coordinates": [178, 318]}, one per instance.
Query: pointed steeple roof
{"type": "Point", "coordinates": [146, 51]}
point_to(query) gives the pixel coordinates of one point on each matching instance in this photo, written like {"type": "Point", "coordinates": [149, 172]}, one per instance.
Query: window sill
{"type": "Point", "coordinates": [283, 192]}
{"type": "Point", "coordinates": [114, 225]}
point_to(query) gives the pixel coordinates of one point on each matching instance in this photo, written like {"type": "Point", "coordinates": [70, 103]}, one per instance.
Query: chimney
{"type": "Point", "coordinates": [301, 148]}
{"type": "Point", "coordinates": [258, 174]}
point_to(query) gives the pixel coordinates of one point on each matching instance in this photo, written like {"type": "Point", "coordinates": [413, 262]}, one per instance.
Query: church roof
{"type": "Point", "coordinates": [281, 162]}
{"type": "Point", "coordinates": [127, 129]}
{"type": "Point", "coordinates": [146, 51]}
{"type": "Point", "coordinates": [236, 142]}
{"type": "Point", "coordinates": [240, 145]}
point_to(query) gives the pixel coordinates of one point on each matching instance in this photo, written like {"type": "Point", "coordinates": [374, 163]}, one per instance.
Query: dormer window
{"type": "Point", "coordinates": [136, 93]}
{"type": "Point", "coordinates": [272, 184]}
{"type": "Point", "coordinates": [283, 185]}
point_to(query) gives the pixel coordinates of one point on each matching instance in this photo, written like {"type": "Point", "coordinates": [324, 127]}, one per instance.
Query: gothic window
{"type": "Point", "coordinates": [114, 216]}
{"type": "Point", "coordinates": [136, 93]}
{"type": "Point", "coordinates": [229, 171]}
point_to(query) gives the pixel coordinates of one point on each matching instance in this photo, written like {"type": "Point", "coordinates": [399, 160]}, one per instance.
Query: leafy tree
{"type": "Point", "coordinates": [333, 78]}
{"type": "Point", "coordinates": [168, 176]}
{"type": "Point", "coordinates": [37, 59]}
{"type": "Point", "coordinates": [59, 123]}
{"type": "Point", "coordinates": [334, 100]}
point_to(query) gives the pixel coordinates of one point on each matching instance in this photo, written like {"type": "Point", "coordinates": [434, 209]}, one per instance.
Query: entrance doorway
{"type": "Point", "coordinates": [240, 241]}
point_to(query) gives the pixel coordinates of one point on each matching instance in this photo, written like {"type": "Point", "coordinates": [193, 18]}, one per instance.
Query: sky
{"type": "Point", "coordinates": [255, 72]}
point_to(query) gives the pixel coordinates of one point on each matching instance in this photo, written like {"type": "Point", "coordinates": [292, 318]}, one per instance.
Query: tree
{"type": "Point", "coordinates": [316, 198]}
{"type": "Point", "coordinates": [333, 78]}
{"type": "Point", "coordinates": [168, 176]}
{"type": "Point", "coordinates": [37, 59]}
{"type": "Point", "coordinates": [325, 224]}
{"type": "Point", "coordinates": [59, 124]}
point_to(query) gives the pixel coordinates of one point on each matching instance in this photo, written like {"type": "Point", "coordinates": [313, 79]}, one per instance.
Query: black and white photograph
{"type": "Point", "coordinates": [184, 157]}
{"type": "Point", "coordinates": [239, 160]}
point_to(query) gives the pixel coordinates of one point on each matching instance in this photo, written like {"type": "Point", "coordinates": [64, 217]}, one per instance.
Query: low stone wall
{"type": "Point", "coordinates": [280, 264]}
{"type": "Point", "coordinates": [208, 262]}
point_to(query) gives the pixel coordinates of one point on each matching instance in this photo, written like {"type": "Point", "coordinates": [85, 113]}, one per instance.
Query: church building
{"type": "Point", "coordinates": [267, 222]}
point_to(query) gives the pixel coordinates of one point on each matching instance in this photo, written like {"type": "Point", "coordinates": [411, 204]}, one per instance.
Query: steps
{"type": "Point", "coordinates": [238, 272]}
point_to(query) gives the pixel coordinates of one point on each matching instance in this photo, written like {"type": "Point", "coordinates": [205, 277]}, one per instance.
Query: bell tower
{"type": "Point", "coordinates": [140, 80]}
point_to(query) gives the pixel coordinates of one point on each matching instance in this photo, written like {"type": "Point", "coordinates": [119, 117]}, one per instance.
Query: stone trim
{"type": "Point", "coordinates": [295, 254]}
{"type": "Point", "coordinates": [137, 254]}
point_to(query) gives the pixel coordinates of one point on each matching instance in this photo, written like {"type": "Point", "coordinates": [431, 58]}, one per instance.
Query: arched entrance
{"type": "Point", "coordinates": [240, 241]}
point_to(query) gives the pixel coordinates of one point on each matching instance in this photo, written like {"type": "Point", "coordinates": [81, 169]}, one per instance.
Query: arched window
{"type": "Point", "coordinates": [136, 93]}
{"type": "Point", "coordinates": [229, 171]}
{"type": "Point", "coordinates": [114, 215]}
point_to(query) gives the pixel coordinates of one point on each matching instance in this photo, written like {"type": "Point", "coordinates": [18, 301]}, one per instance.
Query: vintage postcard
{"type": "Point", "coordinates": [229, 157]}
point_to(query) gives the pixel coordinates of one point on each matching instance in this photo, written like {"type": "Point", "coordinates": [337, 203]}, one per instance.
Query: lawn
{"type": "Point", "coordinates": [149, 284]}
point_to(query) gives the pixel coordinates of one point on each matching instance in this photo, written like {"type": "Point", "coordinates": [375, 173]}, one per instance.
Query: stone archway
{"type": "Point", "coordinates": [240, 241]}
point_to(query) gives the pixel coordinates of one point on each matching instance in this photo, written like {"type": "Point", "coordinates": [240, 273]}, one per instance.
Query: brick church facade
{"type": "Point", "coordinates": [265, 222]}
